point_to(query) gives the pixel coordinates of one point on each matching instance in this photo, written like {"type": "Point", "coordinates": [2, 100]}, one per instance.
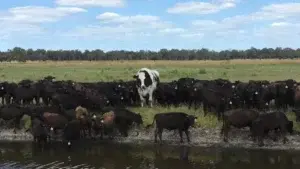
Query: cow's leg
{"type": "Point", "coordinates": [187, 133]}
{"type": "Point", "coordinates": [260, 140]}
{"type": "Point", "coordinates": [101, 132]}
{"type": "Point", "coordinates": [89, 131]}
{"type": "Point", "coordinates": [283, 133]}
{"type": "Point", "coordinates": [225, 130]}
{"type": "Point", "coordinates": [190, 103]}
{"type": "Point", "coordinates": [142, 100]}
{"type": "Point", "coordinates": [7, 99]}
{"type": "Point", "coordinates": [151, 98]}
{"type": "Point", "coordinates": [251, 133]}
{"type": "Point", "coordinates": [160, 135]}
{"type": "Point", "coordinates": [17, 124]}
{"type": "Point", "coordinates": [180, 134]}
{"type": "Point", "coordinates": [155, 135]}
{"type": "Point", "coordinates": [205, 106]}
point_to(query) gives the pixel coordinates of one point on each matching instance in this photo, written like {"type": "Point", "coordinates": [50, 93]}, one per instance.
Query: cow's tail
{"type": "Point", "coordinates": [151, 125]}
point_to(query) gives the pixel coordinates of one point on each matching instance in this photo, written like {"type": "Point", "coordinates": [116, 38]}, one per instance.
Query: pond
{"type": "Point", "coordinates": [136, 156]}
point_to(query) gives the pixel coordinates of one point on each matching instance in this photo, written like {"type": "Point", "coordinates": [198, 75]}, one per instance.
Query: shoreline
{"type": "Point", "coordinates": [200, 137]}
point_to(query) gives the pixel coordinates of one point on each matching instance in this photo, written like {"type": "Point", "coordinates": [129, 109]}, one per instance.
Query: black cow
{"type": "Point", "coordinates": [165, 94]}
{"type": "Point", "coordinates": [214, 98]}
{"type": "Point", "coordinates": [47, 87]}
{"type": "Point", "coordinates": [71, 132]}
{"type": "Point", "coordinates": [26, 92]}
{"type": "Point", "coordinates": [68, 101]}
{"type": "Point", "coordinates": [12, 112]}
{"type": "Point", "coordinates": [92, 98]}
{"type": "Point", "coordinates": [183, 89]}
{"type": "Point", "coordinates": [195, 93]}
{"type": "Point", "coordinates": [122, 120]}
{"type": "Point", "coordinates": [3, 86]}
{"type": "Point", "coordinates": [173, 121]}
{"type": "Point", "coordinates": [271, 121]}
{"type": "Point", "coordinates": [238, 118]}
{"type": "Point", "coordinates": [8, 91]}
{"type": "Point", "coordinates": [39, 131]}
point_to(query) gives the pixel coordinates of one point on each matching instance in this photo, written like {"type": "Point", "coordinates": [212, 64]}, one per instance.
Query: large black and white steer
{"type": "Point", "coordinates": [147, 81]}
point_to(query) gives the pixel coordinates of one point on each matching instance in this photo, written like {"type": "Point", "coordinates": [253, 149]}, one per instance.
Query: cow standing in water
{"type": "Point", "coordinates": [147, 81]}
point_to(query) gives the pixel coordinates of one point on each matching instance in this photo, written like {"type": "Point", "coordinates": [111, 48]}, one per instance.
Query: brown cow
{"type": "Point", "coordinates": [82, 114]}
{"type": "Point", "coordinates": [54, 121]}
{"type": "Point", "coordinates": [108, 124]}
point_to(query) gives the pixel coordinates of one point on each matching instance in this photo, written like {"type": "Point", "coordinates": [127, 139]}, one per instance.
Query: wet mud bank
{"type": "Point", "coordinates": [200, 137]}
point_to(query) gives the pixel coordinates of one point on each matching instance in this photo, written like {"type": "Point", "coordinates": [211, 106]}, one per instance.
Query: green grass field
{"type": "Point", "coordinates": [85, 71]}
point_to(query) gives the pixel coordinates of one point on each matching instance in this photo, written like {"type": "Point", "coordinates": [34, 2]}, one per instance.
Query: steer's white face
{"type": "Point", "coordinates": [142, 78]}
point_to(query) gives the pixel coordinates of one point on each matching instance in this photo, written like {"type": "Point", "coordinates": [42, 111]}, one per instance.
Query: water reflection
{"type": "Point", "coordinates": [119, 156]}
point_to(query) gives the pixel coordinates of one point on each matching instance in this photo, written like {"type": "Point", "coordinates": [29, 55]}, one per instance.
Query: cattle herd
{"type": "Point", "coordinates": [79, 110]}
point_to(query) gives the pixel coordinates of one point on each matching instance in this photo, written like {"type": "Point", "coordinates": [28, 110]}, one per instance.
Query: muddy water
{"type": "Point", "coordinates": [137, 156]}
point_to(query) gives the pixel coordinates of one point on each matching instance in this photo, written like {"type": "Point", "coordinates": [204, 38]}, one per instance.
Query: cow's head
{"type": "Point", "coordinates": [143, 79]}
{"type": "Point", "coordinates": [290, 126]}
{"type": "Point", "coordinates": [192, 120]}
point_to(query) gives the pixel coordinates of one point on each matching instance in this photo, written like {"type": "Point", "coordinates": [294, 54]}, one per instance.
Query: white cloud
{"type": "Point", "coordinates": [277, 24]}
{"type": "Point", "coordinates": [26, 20]}
{"type": "Point", "coordinates": [280, 14]}
{"type": "Point", "coordinates": [135, 22]}
{"type": "Point", "coordinates": [102, 3]}
{"type": "Point", "coordinates": [280, 32]}
{"type": "Point", "coordinates": [113, 25]}
{"type": "Point", "coordinates": [192, 35]}
{"type": "Point", "coordinates": [109, 17]}
{"type": "Point", "coordinates": [195, 7]}
{"type": "Point", "coordinates": [38, 14]}
{"type": "Point", "coordinates": [100, 31]}
{"type": "Point", "coordinates": [213, 26]}
{"type": "Point", "coordinates": [285, 9]}
{"type": "Point", "coordinates": [172, 30]}
{"type": "Point", "coordinates": [9, 30]}
{"type": "Point", "coordinates": [270, 12]}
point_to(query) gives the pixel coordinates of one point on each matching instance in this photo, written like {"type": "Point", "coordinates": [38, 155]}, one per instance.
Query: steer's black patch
{"type": "Point", "coordinates": [148, 80]}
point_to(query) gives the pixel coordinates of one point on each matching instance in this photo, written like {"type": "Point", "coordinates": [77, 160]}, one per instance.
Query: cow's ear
{"type": "Point", "coordinates": [135, 76]}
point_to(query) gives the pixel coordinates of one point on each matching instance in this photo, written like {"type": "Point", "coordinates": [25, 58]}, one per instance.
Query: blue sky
{"type": "Point", "coordinates": [149, 24]}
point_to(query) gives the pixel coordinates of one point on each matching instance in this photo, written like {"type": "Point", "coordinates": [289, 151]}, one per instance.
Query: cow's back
{"type": "Point", "coordinates": [171, 120]}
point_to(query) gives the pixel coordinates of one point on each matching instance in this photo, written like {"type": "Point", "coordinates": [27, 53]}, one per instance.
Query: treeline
{"type": "Point", "coordinates": [19, 54]}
